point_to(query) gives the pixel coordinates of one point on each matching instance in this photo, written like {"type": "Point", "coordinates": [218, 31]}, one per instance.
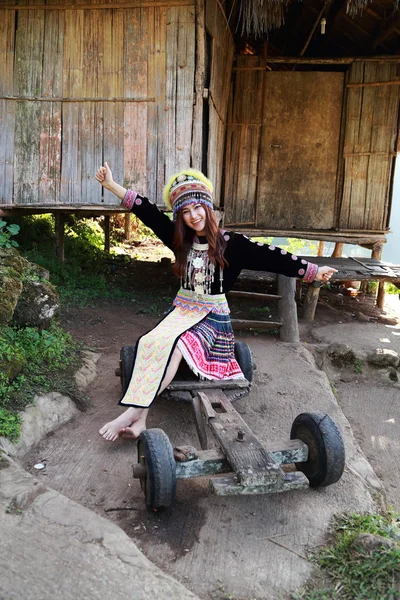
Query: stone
{"type": "Point", "coordinates": [38, 305]}
{"type": "Point", "coordinates": [384, 357]}
{"type": "Point", "coordinates": [341, 355]}
{"type": "Point", "coordinates": [10, 291]}
{"type": "Point", "coordinates": [370, 542]}
{"type": "Point", "coordinates": [48, 412]}
{"type": "Point", "coordinates": [87, 372]}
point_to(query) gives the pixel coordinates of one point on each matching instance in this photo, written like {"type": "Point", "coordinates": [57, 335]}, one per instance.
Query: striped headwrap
{"type": "Point", "coordinates": [187, 187]}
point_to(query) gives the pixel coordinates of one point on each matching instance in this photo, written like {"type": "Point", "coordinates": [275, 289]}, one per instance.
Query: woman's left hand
{"type": "Point", "coordinates": [325, 273]}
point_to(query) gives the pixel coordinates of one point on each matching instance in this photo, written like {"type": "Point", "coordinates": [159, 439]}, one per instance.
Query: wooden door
{"type": "Point", "coordinates": [299, 150]}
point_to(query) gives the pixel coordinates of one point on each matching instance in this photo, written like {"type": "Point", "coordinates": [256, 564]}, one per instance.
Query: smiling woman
{"type": "Point", "coordinates": [208, 262]}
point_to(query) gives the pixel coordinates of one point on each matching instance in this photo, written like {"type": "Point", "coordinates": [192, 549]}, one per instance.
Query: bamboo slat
{"type": "Point", "coordinates": [221, 56]}
{"type": "Point", "coordinates": [135, 78]}
{"type": "Point", "coordinates": [156, 149]}
{"type": "Point", "coordinates": [51, 113]}
{"type": "Point", "coordinates": [242, 146]}
{"type": "Point", "coordinates": [7, 109]}
{"type": "Point", "coordinates": [112, 86]}
{"type": "Point", "coordinates": [371, 121]}
{"type": "Point", "coordinates": [28, 79]}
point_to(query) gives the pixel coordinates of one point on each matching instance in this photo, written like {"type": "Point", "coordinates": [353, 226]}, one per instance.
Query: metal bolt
{"type": "Point", "coordinates": [240, 436]}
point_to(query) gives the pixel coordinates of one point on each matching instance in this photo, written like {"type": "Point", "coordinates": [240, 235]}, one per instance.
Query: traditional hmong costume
{"type": "Point", "coordinates": [199, 322]}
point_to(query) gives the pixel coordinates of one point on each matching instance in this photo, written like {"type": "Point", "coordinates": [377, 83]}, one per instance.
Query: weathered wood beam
{"type": "Point", "coordinates": [69, 100]}
{"type": "Point", "coordinates": [101, 6]}
{"type": "Point", "coordinates": [338, 250]}
{"type": "Point", "coordinates": [387, 28]}
{"type": "Point", "coordinates": [310, 301]}
{"type": "Point", "coordinates": [242, 324]}
{"type": "Point", "coordinates": [193, 384]}
{"type": "Point", "coordinates": [254, 295]}
{"type": "Point", "coordinates": [321, 61]}
{"type": "Point", "coordinates": [228, 486]}
{"type": "Point", "coordinates": [60, 235]}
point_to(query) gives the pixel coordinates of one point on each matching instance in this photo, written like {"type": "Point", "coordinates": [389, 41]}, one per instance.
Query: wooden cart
{"type": "Point", "coordinates": [241, 464]}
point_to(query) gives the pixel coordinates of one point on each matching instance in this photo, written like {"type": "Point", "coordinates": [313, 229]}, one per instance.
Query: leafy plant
{"type": "Point", "coordinates": [358, 366]}
{"type": "Point", "coordinates": [9, 425]}
{"type": "Point", "coordinates": [6, 233]}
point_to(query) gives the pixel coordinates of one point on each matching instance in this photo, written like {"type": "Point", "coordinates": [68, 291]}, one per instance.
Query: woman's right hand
{"type": "Point", "coordinates": [104, 176]}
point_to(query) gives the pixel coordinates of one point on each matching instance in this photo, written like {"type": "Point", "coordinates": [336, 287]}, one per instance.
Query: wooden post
{"type": "Point", "coordinates": [106, 233]}
{"type": "Point", "coordinates": [376, 253]}
{"type": "Point", "coordinates": [197, 140]}
{"type": "Point", "coordinates": [289, 332]}
{"type": "Point", "coordinates": [59, 219]}
{"type": "Point", "coordinates": [321, 245]}
{"type": "Point", "coordinates": [310, 301]}
{"type": "Point", "coordinates": [338, 250]}
{"type": "Point", "coordinates": [128, 227]}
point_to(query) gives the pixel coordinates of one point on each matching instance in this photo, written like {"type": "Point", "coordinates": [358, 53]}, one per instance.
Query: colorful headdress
{"type": "Point", "coordinates": [186, 187]}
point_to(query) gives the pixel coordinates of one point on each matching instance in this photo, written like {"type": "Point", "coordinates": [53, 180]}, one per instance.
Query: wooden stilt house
{"type": "Point", "coordinates": [291, 109]}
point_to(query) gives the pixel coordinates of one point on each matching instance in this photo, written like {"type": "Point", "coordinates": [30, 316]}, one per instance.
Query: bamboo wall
{"type": "Point", "coordinates": [370, 135]}
{"type": "Point", "coordinates": [220, 65]}
{"type": "Point", "coordinates": [78, 87]}
{"type": "Point", "coordinates": [310, 152]}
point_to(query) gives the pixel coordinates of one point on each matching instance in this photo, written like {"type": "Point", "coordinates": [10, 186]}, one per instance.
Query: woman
{"type": "Point", "coordinates": [208, 262]}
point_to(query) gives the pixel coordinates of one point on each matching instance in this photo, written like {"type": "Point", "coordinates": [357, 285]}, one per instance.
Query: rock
{"type": "Point", "coordinates": [37, 305]}
{"type": "Point", "coordinates": [10, 291]}
{"type": "Point", "coordinates": [364, 318]}
{"type": "Point", "coordinates": [341, 355]}
{"type": "Point", "coordinates": [47, 414]}
{"type": "Point", "coordinates": [370, 542]}
{"type": "Point", "coordinates": [87, 372]}
{"type": "Point", "coordinates": [384, 357]}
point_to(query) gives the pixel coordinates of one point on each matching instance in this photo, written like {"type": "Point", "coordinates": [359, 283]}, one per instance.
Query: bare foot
{"type": "Point", "coordinates": [133, 431]}
{"type": "Point", "coordinates": [111, 431]}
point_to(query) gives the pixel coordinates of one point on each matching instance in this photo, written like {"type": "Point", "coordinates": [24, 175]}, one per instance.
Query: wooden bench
{"type": "Point", "coordinates": [348, 269]}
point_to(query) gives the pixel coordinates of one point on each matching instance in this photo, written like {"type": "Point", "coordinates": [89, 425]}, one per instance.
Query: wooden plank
{"type": "Point", "coordinates": [250, 462]}
{"type": "Point", "coordinates": [213, 462]}
{"type": "Point", "coordinates": [135, 80]}
{"type": "Point", "coordinates": [156, 138]}
{"type": "Point", "coordinates": [242, 324]}
{"type": "Point", "coordinates": [88, 5]}
{"type": "Point", "coordinates": [253, 295]}
{"type": "Point", "coordinates": [200, 74]}
{"type": "Point", "coordinates": [193, 385]}
{"type": "Point", "coordinates": [73, 59]}
{"type": "Point", "coordinates": [28, 80]}
{"type": "Point", "coordinates": [111, 71]}
{"type": "Point", "coordinates": [297, 173]}
{"type": "Point", "coordinates": [51, 113]}
{"type": "Point", "coordinates": [228, 486]}
{"type": "Point", "coordinates": [7, 109]}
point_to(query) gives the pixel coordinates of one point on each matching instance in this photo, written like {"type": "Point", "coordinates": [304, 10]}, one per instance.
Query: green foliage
{"type": "Point", "coordinates": [6, 233]}
{"type": "Point", "coordinates": [390, 288]}
{"type": "Point", "coordinates": [9, 425]}
{"type": "Point", "coordinates": [355, 573]}
{"type": "Point", "coordinates": [262, 311]}
{"type": "Point", "coordinates": [84, 278]}
{"type": "Point", "coordinates": [45, 358]}
{"type": "Point", "coordinates": [294, 245]}
{"type": "Point", "coordinates": [358, 365]}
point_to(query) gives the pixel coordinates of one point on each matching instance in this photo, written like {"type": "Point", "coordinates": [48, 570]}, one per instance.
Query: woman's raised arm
{"type": "Point", "coordinates": [104, 176]}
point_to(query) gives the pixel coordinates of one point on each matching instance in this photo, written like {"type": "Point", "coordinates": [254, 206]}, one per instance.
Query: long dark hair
{"type": "Point", "coordinates": [183, 240]}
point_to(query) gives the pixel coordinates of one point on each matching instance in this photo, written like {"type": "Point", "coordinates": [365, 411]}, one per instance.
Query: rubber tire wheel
{"type": "Point", "coordinates": [156, 453]}
{"type": "Point", "coordinates": [244, 356]}
{"type": "Point", "coordinates": [127, 357]}
{"type": "Point", "coordinates": [326, 454]}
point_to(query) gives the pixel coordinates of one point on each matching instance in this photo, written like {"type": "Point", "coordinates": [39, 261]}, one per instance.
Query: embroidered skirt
{"type": "Point", "coordinates": [201, 327]}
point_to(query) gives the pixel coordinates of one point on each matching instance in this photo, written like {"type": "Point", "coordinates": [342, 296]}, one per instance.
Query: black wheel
{"type": "Point", "coordinates": [127, 356]}
{"type": "Point", "coordinates": [326, 455]}
{"type": "Point", "coordinates": [244, 357]}
{"type": "Point", "coordinates": [200, 423]}
{"type": "Point", "coordinates": [156, 454]}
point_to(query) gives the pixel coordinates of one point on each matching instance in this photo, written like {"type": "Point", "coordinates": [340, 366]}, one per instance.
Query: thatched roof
{"type": "Point", "coordinates": [295, 27]}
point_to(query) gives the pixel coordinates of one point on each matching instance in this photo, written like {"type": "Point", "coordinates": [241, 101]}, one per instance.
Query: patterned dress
{"type": "Point", "coordinates": [199, 322]}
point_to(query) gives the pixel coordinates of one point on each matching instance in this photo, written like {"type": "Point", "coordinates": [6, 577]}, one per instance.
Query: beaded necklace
{"type": "Point", "coordinates": [200, 271]}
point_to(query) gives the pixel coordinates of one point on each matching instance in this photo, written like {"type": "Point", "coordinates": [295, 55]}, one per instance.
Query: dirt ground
{"type": "Point", "coordinates": [98, 475]}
